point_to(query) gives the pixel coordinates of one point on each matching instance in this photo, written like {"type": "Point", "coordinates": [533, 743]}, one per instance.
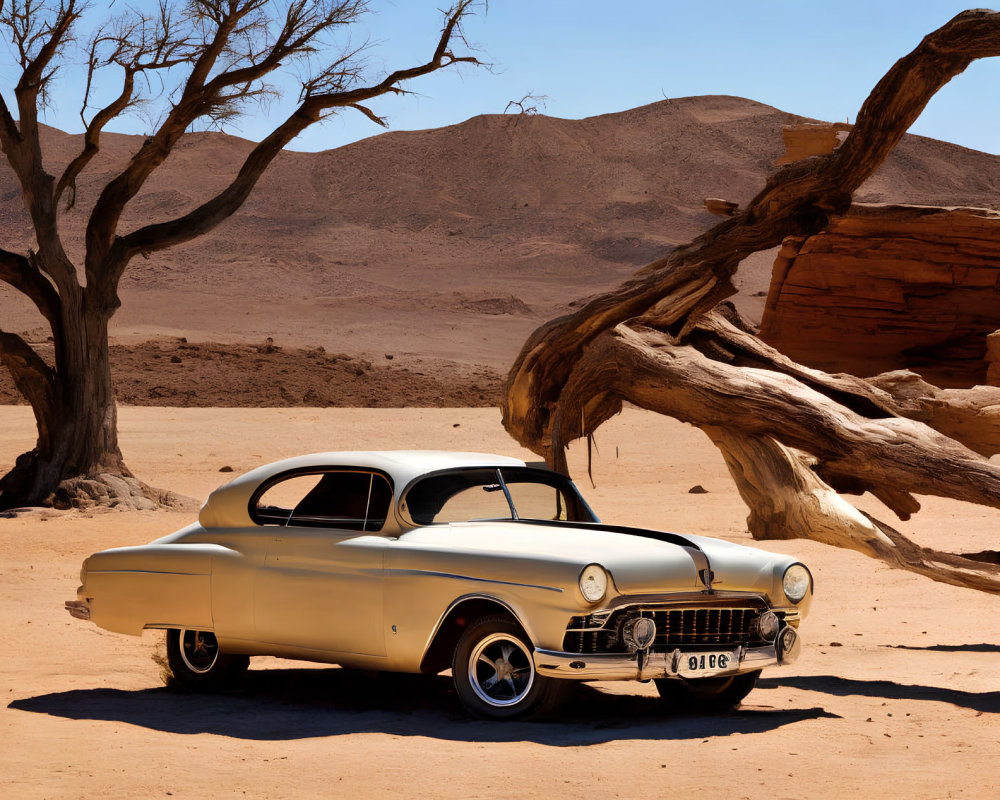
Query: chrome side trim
{"type": "Point", "coordinates": [142, 572]}
{"type": "Point", "coordinates": [453, 576]}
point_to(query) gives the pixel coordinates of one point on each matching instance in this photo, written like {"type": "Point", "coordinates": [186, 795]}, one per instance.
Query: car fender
{"type": "Point", "coordinates": [129, 589]}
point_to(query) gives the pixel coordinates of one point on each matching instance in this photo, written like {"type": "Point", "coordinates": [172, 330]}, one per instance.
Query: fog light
{"type": "Point", "coordinates": [639, 633]}
{"type": "Point", "coordinates": [767, 626]}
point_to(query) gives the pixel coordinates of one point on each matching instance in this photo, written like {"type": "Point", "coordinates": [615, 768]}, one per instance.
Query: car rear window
{"type": "Point", "coordinates": [355, 500]}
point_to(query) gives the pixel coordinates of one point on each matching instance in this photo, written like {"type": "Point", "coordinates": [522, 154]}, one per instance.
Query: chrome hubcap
{"type": "Point", "coordinates": [199, 650]}
{"type": "Point", "coordinates": [501, 670]}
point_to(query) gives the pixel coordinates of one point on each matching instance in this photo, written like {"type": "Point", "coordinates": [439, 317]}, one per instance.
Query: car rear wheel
{"type": "Point", "coordinates": [197, 663]}
{"type": "Point", "coordinates": [494, 672]}
{"type": "Point", "coordinates": [707, 694]}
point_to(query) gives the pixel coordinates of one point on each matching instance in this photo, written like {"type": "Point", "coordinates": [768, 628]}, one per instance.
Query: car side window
{"type": "Point", "coordinates": [475, 503]}
{"type": "Point", "coordinates": [355, 500]}
{"type": "Point", "coordinates": [538, 501]}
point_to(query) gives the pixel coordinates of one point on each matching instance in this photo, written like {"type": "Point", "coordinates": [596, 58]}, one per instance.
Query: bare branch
{"type": "Point", "coordinates": [22, 274]}
{"type": "Point", "coordinates": [236, 50]}
{"type": "Point", "coordinates": [203, 219]}
{"type": "Point", "coordinates": [528, 105]}
{"type": "Point", "coordinates": [370, 114]}
{"type": "Point", "coordinates": [138, 45]}
{"type": "Point", "coordinates": [40, 31]}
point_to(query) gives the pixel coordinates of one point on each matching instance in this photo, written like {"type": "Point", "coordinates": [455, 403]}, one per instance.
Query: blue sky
{"type": "Point", "coordinates": [818, 59]}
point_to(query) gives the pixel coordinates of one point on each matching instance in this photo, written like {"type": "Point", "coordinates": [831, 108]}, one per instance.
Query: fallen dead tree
{"type": "Point", "coordinates": [793, 437]}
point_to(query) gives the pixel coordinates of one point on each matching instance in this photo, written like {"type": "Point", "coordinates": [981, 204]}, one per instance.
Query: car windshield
{"type": "Point", "coordinates": [494, 493]}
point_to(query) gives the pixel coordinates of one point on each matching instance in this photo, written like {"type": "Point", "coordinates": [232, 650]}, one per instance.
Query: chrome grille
{"type": "Point", "coordinates": [684, 628]}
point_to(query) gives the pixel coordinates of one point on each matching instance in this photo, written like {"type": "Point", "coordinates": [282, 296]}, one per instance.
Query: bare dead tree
{"type": "Point", "coordinates": [792, 436]}
{"type": "Point", "coordinates": [225, 51]}
{"type": "Point", "coordinates": [528, 105]}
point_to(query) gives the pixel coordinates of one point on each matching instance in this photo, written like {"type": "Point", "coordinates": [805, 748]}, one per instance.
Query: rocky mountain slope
{"type": "Point", "coordinates": [450, 245]}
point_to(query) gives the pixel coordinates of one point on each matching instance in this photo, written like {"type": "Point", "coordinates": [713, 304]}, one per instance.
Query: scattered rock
{"type": "Point", "coordinates": [106, 491]}
{"type": "Point", "coordinates": [497, 306]}
{"type": "Point", "coordinates": [698, 489]}
{"type": "Point", "coordinates": [269, 346]}
{"type": "Point", "coordinates": [226, 468]}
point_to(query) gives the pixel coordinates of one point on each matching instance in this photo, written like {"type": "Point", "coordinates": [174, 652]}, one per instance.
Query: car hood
{"type": "Point", "coordinates": [640, 561]}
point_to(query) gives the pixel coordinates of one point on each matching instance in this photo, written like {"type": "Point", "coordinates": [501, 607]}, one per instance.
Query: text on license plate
{"type": "Point", "coordinates": [706, 663]}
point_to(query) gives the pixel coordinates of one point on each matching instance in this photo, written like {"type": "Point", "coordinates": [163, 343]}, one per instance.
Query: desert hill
{"type": "Point", "coordinates": [449, 246]}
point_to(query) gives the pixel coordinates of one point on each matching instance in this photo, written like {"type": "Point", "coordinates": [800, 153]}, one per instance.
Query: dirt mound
{"type": "Point", "coordinates": [175, 372]}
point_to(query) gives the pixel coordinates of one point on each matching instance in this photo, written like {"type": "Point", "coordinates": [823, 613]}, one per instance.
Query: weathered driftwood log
{"type": "Point", "coordinates": [652, 342]}
{"type": "Point", "coordinates": [789, 501]}
{"type": "Point", "coordinates": [648, 368]}
{"type": "Point", "coordinates": [756, 416]}
{"type": "Point", "coordinates": [796, 201]}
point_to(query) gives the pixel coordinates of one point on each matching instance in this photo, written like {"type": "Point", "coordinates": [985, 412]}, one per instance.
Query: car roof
{"type": "Point", "coordinates": [228, 506]}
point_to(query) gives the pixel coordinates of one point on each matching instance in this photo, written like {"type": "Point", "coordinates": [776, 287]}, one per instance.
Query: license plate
{"type": "Point", "coordinates": [697, 665]}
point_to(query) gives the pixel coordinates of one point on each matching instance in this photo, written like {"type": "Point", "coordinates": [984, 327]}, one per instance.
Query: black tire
{"type": "Point", "coordinates": [198, 664]}
{"type": "Point", "coordinates": [494, 672]}
{"type": "Point", "coordinates": [707, 694]}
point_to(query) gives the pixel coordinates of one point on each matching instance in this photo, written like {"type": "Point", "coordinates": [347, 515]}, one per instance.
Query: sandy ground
{"type": "Point", "coordinates": [898, 689]}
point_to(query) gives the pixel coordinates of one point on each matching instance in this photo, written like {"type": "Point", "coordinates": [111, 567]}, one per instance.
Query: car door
{"type": "Point", "coordinates": [320, 585]}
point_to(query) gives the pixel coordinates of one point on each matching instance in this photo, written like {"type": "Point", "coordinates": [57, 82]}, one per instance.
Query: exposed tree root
{"type": "Point", "coordinates": [106, 490]}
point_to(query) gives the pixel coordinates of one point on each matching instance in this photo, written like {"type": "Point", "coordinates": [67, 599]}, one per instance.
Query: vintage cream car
{"type": "Point", "coordinates": [421, 561]}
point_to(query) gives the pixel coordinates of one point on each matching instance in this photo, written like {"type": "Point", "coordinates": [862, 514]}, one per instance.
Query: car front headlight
{"type": "Point", "coordinates": [796, 583]}
{"type": "Point", "coordinates": [593, 583]}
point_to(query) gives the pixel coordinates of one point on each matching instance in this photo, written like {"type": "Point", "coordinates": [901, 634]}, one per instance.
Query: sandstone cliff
{"type": "Point", "coordinates": [891, 287]}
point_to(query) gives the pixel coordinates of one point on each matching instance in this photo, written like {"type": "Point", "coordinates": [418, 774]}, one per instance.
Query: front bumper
{"type": "Point", "coordinates": [644, 665]}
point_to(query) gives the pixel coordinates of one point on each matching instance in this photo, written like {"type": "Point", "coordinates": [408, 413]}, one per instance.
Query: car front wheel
{"type": "Point", "coordinates": [494, 672]}
{"type": "Point", "coordinates": [197, 662]}
{"type": "Point", "coordinates": [707, 694]}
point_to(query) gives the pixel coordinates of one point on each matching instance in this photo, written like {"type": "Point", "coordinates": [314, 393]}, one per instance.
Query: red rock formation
{"type": "Point", "coordinates": [993, 358]}
{"type": "Point", "coordinates": [891, 287]}
{"type": "Point", "coordinates": [811, 139]}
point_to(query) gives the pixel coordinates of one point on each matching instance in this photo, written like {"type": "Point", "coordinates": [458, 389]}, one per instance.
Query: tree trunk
{"type": "Point", "coordinates": [78, 432]}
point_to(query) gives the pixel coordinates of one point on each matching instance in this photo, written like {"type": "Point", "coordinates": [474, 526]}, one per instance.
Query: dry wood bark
{"type": "Point", "coordinates": [653, 342]}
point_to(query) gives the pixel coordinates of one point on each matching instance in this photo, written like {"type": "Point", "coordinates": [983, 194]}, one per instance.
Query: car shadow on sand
{"type": "Point", "coordinates": [284, 704]}
{"type": "Point", "coordinates": [986, 702]}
